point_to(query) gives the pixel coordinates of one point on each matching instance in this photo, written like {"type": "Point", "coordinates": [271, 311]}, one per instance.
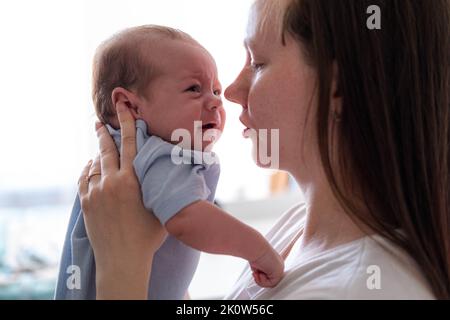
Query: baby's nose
{"type": "Point", "coordinates": [214, 103]}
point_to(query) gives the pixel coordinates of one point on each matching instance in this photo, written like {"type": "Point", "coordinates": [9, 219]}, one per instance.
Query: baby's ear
{"type": "Point", "coordinates": [128, 98]}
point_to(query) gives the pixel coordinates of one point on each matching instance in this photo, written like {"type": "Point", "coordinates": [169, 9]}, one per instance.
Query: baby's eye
{"type": "Point", "coordinates": [194, 88]}
{"type": "Point", "coordinates": [217, 92]}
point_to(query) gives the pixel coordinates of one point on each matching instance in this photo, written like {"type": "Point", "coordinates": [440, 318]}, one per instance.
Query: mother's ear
{"type": "Point", "coordinates": [130, 99]}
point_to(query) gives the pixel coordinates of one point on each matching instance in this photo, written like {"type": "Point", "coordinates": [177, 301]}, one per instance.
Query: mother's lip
{"type": "Point", "coordinates": [241, 119]}
{"type": "Point", "coordinates": [245, 132]}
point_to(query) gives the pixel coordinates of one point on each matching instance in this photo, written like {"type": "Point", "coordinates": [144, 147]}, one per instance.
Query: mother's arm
{"type": "Point", "coordinates": [123, 235]}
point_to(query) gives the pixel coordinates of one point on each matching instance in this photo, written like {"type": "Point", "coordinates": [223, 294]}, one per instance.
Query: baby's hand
{"type": "Point", "coordinates": [268, 269]}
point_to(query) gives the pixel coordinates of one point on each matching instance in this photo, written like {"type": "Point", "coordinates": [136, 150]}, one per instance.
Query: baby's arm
{"type": "Point", "coordinates": [207, 228]}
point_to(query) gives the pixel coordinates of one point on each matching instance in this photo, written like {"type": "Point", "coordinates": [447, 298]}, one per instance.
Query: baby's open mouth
{"type": "Point", "coordinates": [211, 131]}
{"type": "Point", "coordinates": [210, 125]}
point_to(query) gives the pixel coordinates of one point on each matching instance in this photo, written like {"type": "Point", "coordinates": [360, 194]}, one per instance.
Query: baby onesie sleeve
{"type": "Point", "coordinates": [167, 186]}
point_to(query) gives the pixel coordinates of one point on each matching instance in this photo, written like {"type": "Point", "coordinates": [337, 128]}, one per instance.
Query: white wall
{"type": "Point", "coordinates": [47, 128]}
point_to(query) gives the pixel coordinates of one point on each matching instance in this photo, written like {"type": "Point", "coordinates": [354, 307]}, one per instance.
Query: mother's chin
{"type": "Point", "coordinates": [265, 147]}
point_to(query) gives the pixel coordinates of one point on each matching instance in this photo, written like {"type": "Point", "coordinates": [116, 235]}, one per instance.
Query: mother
{"type": "Point", "coordinates": [363, 119]}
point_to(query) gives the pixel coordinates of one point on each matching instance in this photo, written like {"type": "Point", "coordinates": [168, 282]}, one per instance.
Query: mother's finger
{"type": "Point", "coordinates": [95, 172]}
{"type": "Point", "coordinates": [109, 156]}
{"type": "Point", "coordinates": [83, 183]}
{"type": "Point", "coordinates": [128, 136]}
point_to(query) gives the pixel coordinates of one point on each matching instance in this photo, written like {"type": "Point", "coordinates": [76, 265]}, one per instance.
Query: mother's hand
{"type": "Point", "coordinates": [123, 234]}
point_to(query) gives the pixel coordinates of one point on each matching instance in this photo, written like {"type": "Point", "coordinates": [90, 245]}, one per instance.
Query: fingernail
{"type": "Point", "coordinates": [120, 107]}
{"type": "Point", "coordinates": [98, 125]}
{"type": "Point", "coordinates": [90, 162]}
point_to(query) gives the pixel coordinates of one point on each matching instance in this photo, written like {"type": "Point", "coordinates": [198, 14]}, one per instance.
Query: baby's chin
{"type": "Point", "coordinates": [199, 139]}
{"type": "Point", "coordinates": [205, 146]}
{"type": "Point", "coordinates": [209, 138]}
{"type": "Point", "coordinates": [208, 146]}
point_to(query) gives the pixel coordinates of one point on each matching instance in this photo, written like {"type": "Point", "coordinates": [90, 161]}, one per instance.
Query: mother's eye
{"type": "Point", "coordinates": [256, 66]}
{"type": "Point", "coordinates": [194, 88]}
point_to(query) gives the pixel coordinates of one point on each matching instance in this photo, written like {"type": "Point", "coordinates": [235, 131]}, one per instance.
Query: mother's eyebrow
{"type": "Point", "coordinates": [251, 44]}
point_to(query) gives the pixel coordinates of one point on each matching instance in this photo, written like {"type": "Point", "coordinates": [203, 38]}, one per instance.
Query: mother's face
{"type": "Point", "coordinates": [275, 88]}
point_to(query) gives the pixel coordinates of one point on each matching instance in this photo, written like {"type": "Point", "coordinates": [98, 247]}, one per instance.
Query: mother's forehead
{"type": "Point", "coordinates": [265, 20]}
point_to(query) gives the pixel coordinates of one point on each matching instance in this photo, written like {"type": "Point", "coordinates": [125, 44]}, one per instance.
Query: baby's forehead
{"type": "Point", "coordinates": [183, 60]}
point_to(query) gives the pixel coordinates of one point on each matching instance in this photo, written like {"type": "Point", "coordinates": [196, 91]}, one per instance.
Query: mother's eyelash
{"type": "Point", "coordinates": [256, 66]}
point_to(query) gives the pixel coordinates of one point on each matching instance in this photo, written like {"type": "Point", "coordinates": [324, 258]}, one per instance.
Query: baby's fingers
{"type": "Point", "coordinates": [265, 281]}
{"type": "Point", "coordinates": [260, 278]}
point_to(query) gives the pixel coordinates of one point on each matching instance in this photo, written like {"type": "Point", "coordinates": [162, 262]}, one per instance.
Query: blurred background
{"type": "Point", "coordinates": [47, 129]}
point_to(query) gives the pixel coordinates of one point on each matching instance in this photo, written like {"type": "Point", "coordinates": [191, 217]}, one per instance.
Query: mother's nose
{"type": "Point", "coordinates": [237, 91]}
{"type": "Point", "coordinates": [229, 92]}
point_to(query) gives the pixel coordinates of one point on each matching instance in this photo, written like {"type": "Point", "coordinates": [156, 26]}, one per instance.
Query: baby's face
{"type": "Point", "coordinates": [186, 95]}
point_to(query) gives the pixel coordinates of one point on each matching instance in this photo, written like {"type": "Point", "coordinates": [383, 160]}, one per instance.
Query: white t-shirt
{"type": "Point", "coordinates": [360, 269]}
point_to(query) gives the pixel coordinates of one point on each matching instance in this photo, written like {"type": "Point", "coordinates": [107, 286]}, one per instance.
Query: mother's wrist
{"type": "Point", "coordinates": [122, 282]}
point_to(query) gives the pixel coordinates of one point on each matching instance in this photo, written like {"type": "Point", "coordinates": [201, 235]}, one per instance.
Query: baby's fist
{"type": "Point", "coordinates": [268, 269]}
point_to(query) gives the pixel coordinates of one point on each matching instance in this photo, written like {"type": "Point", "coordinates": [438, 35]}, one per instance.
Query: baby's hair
{"type": "Point", "coordinates": [120, 62]}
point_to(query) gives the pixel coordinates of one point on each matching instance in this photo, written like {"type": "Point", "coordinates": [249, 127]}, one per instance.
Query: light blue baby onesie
{"type": "Point", "coordinates": [166, 187]}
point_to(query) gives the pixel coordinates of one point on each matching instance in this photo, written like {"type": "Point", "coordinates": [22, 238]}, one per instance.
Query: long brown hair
{"type": "Point", "coordinates": [393, 132]}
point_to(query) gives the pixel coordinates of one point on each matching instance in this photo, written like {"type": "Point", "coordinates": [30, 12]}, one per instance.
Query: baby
{"type": "Point", "coordinates": [170, 84]}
